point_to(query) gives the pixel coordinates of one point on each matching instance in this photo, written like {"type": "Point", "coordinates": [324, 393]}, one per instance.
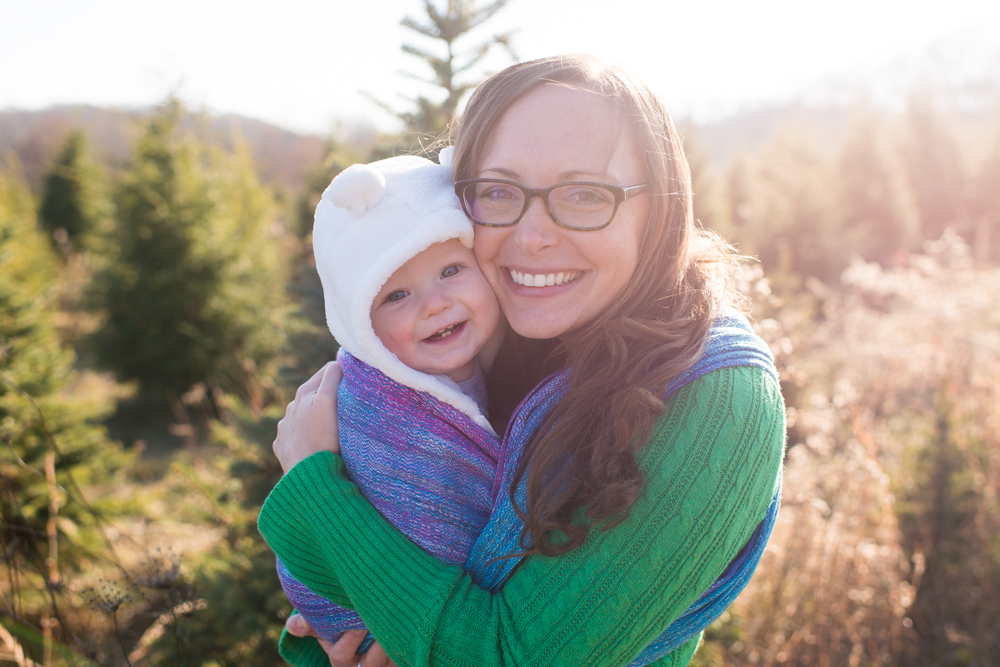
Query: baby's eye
{"type": "Point", "coordinates": [450, 271]}
{"type": "Point", "coordinates": [396, 296]}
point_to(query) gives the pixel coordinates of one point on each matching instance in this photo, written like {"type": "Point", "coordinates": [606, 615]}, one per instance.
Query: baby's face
{"type": "Point", "coordinates": [437, 311]}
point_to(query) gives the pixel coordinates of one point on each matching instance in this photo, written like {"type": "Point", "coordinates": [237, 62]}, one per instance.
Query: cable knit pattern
{"type": "Point", "coordinates": [710, 470]}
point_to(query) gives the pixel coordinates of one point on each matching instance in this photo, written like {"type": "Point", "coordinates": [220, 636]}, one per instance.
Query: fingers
{"type": "Point", "coordinates": [376, 657]}
{"type": "Point", "coordinates": [312, 384]}
{"type": "Point", "coordinates": [331, 380]}
{"type": "Point", "coordinates": [296, 625]}
{"type": "Point", "coordinates": [343, 653]}
{"type": "Point", "coordinates": [310, 422]}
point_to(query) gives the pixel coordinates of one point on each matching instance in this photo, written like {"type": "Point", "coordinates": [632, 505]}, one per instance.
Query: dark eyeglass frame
{"type": "Point", "coordinates": [620, 194]}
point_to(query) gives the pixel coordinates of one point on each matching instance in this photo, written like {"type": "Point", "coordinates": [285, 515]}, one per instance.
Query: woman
{"type": "Point", "coordinates": [632, 507]}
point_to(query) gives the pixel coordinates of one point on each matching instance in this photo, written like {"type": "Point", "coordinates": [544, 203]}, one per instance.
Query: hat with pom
{"type": "Point", "coordinates": [372, 219]}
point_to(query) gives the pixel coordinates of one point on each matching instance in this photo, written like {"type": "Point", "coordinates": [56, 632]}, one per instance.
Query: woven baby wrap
{"type": "Point", "coordinates": [496, 526]}
{"type": "Point", "coordinates": [425, 465]}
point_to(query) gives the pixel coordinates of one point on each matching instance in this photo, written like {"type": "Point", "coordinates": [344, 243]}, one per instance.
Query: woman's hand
{"type": "Point", "coordinates": [310, 422]}
{"type": "Point", "coordinates": [342, 653]}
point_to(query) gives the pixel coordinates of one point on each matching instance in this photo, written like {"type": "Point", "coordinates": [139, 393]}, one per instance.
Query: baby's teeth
{"type": "Point", "coordinates": [550, 279]}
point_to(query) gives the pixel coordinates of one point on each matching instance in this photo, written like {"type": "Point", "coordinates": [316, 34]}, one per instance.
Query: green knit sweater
{"type": "Point", "coordinates": [709, 471]}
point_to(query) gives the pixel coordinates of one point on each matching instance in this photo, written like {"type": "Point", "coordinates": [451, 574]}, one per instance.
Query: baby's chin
{"type": "Point", "coordinates": [464, 372]}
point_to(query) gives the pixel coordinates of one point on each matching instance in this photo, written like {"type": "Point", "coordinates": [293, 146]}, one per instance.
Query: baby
{"type": "Point", "coordinates": [418, 327]}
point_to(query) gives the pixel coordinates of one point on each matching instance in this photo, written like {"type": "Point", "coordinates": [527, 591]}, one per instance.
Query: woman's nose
{"type": "Point", "coordinates": [536, 229]}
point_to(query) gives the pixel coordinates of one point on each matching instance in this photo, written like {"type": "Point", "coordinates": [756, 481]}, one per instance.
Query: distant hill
{"type": "Point", "coordinates": [283, 158]}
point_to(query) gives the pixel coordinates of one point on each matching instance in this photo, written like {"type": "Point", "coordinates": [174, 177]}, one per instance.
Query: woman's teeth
{"type": "Point", "coordinates": [541, 279]}
{"type": "Point", "coordinates": [444, 333]}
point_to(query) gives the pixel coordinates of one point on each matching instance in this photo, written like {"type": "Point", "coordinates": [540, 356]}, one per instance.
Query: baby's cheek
{"type": "Point", "coordinates": [485, 300]}
{"type": "Point", "coordinates": [393, 335]}
{"type": "Point", "coordinates": [397, 345]}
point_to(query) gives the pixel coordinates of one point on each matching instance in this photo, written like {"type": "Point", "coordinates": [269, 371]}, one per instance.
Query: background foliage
{"type": "Point", "coordinates": [158, 307]}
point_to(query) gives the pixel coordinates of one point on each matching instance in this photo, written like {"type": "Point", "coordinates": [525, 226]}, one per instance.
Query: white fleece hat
{"type": "Point", "coordinates": [372, 219]}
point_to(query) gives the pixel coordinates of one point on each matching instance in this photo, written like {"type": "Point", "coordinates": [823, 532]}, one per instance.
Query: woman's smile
{"type": "Point", "coordinates": [541, 279]}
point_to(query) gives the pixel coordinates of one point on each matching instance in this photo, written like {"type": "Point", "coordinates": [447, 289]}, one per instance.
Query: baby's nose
{"type": "Point", "coordinates": [435, 303]}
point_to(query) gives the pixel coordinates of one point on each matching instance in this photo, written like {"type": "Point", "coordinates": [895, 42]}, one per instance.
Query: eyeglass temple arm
{"type": "Point", "coordinates": [634, 190]}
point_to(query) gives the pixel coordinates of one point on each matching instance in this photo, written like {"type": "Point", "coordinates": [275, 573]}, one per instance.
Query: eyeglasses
{"type": "Point", "coordinates": [576, 205]}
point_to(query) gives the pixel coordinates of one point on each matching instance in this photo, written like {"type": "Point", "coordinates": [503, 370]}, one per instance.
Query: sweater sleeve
{"type": "Point", "coordinates": [709, 470]}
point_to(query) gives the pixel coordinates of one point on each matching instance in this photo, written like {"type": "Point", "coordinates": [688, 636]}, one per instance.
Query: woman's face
{"type": "Point", "coordinates": [555, 134]}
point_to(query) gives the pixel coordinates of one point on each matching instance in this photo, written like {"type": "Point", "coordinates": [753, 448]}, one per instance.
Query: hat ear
{"type": "Point", "coordinates": [446, 155]}
{"type": "Point", "coordinates": [358, 189]}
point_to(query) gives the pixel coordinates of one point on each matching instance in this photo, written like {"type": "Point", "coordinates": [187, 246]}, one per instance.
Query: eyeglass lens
{"type": "Point", "coordinates": [575, 205]}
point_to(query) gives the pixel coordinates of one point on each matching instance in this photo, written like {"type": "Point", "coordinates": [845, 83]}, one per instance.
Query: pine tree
{"type": "Point", "coordinates": [873, 197]}
{"type": "Point", "coordinates": [192, 286]}
{"type": "Point", "coordinates": [935, 169]}
{"type": "Point", "coordinates": [70, 196]}
{"type": "Point", "coordinates": [448, 25]}
{"type": "Point", "coordinates": [247, 608]}
{"type": "Point", "coordinates": [708, 204]}
{"type": "Point", "coordinates": [985, 203]}
{"type": "Point", "coordinates": [337, 159]}
{"type": "Point", "coordinates": [738, 195]}
{"type": "Point", "coordinates": [786, 210]}
{"type": "Point", "coordinates": [49, 427]}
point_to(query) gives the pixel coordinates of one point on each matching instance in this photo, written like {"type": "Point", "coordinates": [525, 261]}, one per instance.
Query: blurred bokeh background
{"type": "Point", "coordinates": [159, 166]}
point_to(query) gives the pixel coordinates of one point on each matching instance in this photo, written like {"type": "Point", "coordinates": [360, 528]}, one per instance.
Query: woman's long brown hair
{"type": "Point", "coordinates": [583, 455]}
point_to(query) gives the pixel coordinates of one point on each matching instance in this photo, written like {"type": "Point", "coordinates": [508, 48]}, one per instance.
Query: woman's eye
{"type": "Point", "coordinates": [496, 192]}
{"type": "Point", "coordinates": [396, 296]}
{"type": "Point", "coordinates": [579, 195]}
{"type": "Point", "coordinates": [451, 271]}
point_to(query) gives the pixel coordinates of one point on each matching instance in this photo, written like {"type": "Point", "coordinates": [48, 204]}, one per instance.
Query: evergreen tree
{"type": "Point", "coordinates": [705, 190]}
{"type": "Point", "coordinates": [448, 25]}
{"type": "Point", "coordinates": [935, 169]}
{"type": "Point", "coordinates": [985, 204]}
{"type": "Point", "coordinates": [49, 429]}
{"type": "Point", "coordinates": [337, 159]}
{"type": "Point", "coordinates": [788, 220]}
{"type": "Point", "coordinates": [70, 198]}
{"type": "Point", "coordinates": [874, 200]}
{"type": "Point", "coordinates": [241, 624]}
{"type": "Point", "coordinates": [738, 196]}
{"type": "Point", "coordinates": [192, 287]}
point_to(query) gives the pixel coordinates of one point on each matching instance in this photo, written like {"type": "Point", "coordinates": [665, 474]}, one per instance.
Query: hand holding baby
{"type": "Point", "coordinates": [310, 423]}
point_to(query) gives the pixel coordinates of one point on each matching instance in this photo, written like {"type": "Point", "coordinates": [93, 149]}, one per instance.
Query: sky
{"type": "Point", "coordinates": [301, 63]}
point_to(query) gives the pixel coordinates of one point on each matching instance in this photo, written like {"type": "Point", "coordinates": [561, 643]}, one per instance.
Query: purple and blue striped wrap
{"type": "Point", "coordinates": [425, 465]}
